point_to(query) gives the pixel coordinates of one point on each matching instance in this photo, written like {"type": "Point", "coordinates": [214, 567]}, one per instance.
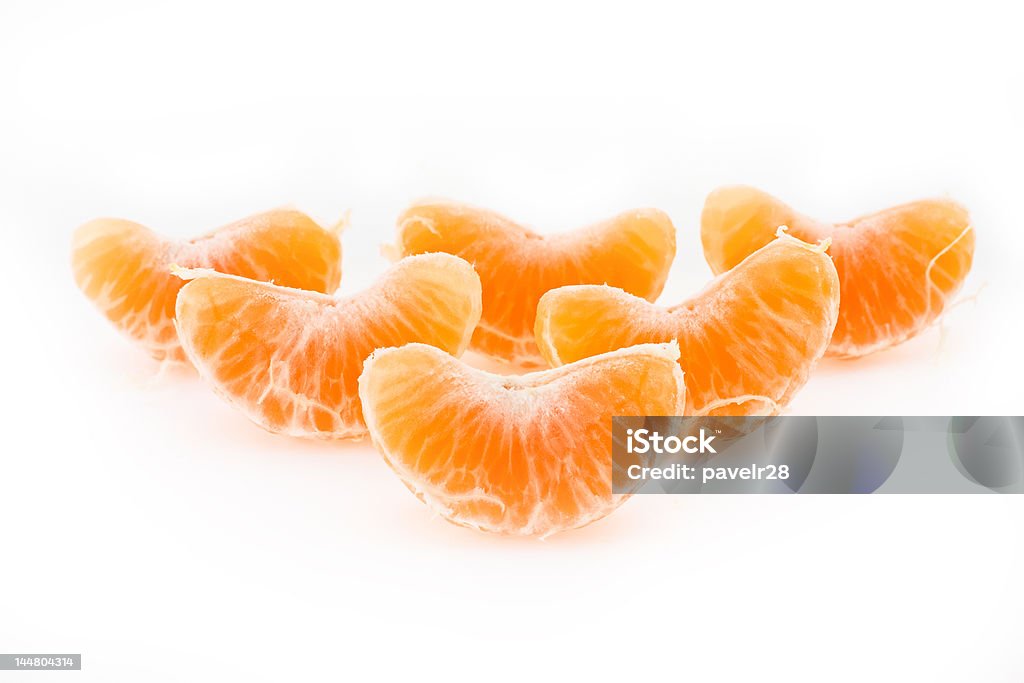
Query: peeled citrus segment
{"type": "Point", "coordinates": [898, 268]}
{"type": "Point", "coordinates": [290, 359]}
{"type": "Point", "coordinates": [747, 342]}
{"type": "Point", "coordinates": [633, 251]}
{"type": "Point", "coordinates": [528, 455]}
{"type": "Point", "coordinates": [124, 268]}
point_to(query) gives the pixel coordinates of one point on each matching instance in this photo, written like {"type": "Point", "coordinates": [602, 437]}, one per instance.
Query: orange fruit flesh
{"type": "Point", "coordinates": [528, 455]}
{"type": "Point", "coordinates": [633, 251]}
{"type": "Point", "coordinates": [124, 268]}
{"type": "Point", "coordinates": [290, 359]}
{"type": "Point", "coordinates": [898, 268]}
{"type": "Point", "coordinates": [747, 342]}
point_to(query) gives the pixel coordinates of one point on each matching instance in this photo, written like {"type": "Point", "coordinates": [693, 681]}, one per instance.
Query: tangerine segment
{"type": "Point", "coordinates": [528, 455]}
{"type": "Point", "coordinates": [748, 342]}
{"type": "Point", "coordinates": [633, 251]}
{"type": "Point", "coordinates": [290, 359]}
{"type": "Point", "coordinates": [898, 268]}
{"type": "Point", "coordinates": [124, 268]}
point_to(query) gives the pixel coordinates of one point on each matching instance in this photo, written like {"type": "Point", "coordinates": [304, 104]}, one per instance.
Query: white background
{"type": "Point", "coordinates": [148, 526]}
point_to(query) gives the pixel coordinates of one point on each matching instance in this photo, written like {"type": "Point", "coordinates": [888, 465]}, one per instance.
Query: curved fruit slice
{"type": "Point", "coordinates": [898, 269]}
{"type": "Point", "coordinates": [747, 342]}
{"type": "Point", "coordinates": [124, 268]}
{"type": "Point", "coordinates": [290, 359]}
{"type": "Point", "coordinates": [528, 455]}
{"type": "Point", "coordinates": [633, 251]}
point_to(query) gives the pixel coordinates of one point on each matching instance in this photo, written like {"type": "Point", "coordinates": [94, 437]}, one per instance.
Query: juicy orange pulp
{"type": "Point", "coordinates": [124, 268]}
{"type": "Point", "coordinates": [898, 268]}
{"type": "Point", "coordinates": [527, 455]}
{"type": "Point", "coordinates": [747, 342]}
{"type": "Point", "coordinates": [290, 359]}
{"type": "Point", "coordinates": [633, 251]}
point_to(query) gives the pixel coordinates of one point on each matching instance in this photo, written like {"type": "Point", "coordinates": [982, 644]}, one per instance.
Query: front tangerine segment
{"type": "Point", "coordinates": [526, 455]}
